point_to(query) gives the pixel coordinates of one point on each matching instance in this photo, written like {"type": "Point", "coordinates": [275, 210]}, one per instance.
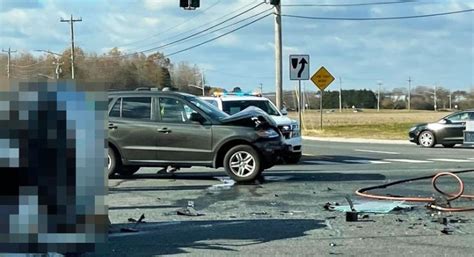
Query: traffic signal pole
{"type": "Point", "coordinates": [278, 55]}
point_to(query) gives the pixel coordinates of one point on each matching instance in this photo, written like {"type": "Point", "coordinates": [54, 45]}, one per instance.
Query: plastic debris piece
{"type": "Point", "coordinates": [189, 211]}
{"type": "Point", "coordinates": [373, 207]}
{"type": "Point", "coordinates": [447, 230]}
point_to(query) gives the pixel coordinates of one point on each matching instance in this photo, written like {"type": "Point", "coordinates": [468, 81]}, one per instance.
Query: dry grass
{"type": "Point", "coordinates": [386, 124]}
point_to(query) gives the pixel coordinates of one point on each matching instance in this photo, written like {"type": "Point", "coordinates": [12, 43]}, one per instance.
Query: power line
{"type": "Point", "coordinates": [194, 28]}
{"type": "Point", "coordinates": [345, 5]}
{"type": "Point", "coordinates": [222, 28]}
{"type": "Point", "coordinates": [172, 27]}
{"type": "Point", "coordinates": [379, 18]}
{"type": "Point", "coordinates": [202, 31]}
{"type": "Point", "coordinates": [29, 65]}
{"type": "Point", "coordinates": [215, 38]}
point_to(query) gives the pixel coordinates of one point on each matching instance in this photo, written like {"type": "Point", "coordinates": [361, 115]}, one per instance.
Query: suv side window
{"type": "Point", "coordinates": [115, 112]}
{"type": "Point", "coordinates": [136, 108]}
{"type": "Point", "coordinates": [173, 110]}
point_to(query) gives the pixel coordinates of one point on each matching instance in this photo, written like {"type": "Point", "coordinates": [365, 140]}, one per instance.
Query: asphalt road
{"type": "Point", "coordinates": [283, 214]}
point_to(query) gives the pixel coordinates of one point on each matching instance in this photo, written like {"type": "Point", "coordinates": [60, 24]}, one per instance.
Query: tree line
{"type": "Point", "coordinates": [119, 71]}
{"type": "Point", "coordinates": [115, 69]}
{"type": "Point", "coordinates": [421, 98]}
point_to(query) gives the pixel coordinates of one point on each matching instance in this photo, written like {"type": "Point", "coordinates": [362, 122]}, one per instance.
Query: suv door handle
{"type": "Point", "coordinates": [164, 130]}
{"type": "Point", "coordinates": [112, 126]}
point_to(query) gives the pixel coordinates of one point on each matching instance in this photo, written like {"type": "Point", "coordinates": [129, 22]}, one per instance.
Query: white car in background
{"type": "Point", "coordinates": [232, 104]}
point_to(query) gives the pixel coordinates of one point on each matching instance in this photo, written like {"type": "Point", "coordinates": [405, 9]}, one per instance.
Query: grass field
{"type": "Point", "coordinates": [386, 124]}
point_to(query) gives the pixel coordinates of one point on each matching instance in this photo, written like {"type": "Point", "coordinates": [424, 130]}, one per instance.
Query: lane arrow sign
{"type": "Point", "coordinates": [299, 66]}
{"type": "Point", "coordinates": [303, 63]}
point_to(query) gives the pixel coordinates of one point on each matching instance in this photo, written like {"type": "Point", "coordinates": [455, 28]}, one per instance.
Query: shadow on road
{"type": "Point", "coordinates": [286, 175]}
{"type": "Point", "coordinates": [227, 236]}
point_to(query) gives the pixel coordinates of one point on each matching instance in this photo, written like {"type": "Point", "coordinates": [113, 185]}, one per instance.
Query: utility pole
{"type": "Point", "coordinates": [58, 68]}
{"type": "Point", "coordinates": [450, 99]}
{"type": "Point", "coordinates": [409, 93]}
{"type": "Point", "coordinates": [203, 85]}
{"type": "Point", "coordinates": [340, 94]}
{"type": "Point", "coordinates": [435, 99]}
{"type": "Point", "coordinates": [278, 54]}
{"type": "Point", "coordinates": [378, 96]}
{"type": "Point", "coordinates": [9, 52]}
{"type": "Point", "coordinates": [71, 22]}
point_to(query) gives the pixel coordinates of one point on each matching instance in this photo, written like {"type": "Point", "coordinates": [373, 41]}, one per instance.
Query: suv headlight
{"type": "Point", "coordinates": [268, 133]}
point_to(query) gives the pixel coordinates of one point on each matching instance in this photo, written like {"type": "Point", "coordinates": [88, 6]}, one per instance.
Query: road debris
{"type": "Point", "coordinates": [447, 230]}
{"type": "Point", "coordinates": [352, 216]}
{"type": "Point", "coordinates": [373, 207]}
{"type": "Point", "coordinates": [189, 210]}
{"type": "Point", "coordinates": [227, 183]}
{"type": "Point", "coordinates": [134, 227]}
{"type": "Point", "coordinates": [260, 213]}
{"type": "Point", "coordinates": [330, 206]}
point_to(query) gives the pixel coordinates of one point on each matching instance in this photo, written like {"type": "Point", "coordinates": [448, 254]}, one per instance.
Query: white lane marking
{"type": "Point", "coordinates": [374, 151]}
{"type": "Point", "coordinates": [407, 160]}
{"type": "Point", "coordinates": [366, 161]}
{"type": "Point", "coordinates": [450, 160]}
{"type": "Point", "coordinates": [322, 162]}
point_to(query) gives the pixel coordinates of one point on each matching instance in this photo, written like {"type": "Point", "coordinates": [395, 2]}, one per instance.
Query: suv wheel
{"type": "Point", "coordinates": [426, 139]}
{"type": "Point", "coordinates": [242, 163]}
{"type": "Point", "coordinates": [292, 158]}
{"type": "Point", "coordinates": [111, 163]}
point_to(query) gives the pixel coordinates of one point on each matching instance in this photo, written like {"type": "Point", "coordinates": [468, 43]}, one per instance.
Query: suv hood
{"type": "Point", "coordinates": [250, 117]}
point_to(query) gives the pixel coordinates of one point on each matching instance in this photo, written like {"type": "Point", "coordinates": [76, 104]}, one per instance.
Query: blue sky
{"type": "Point", "coordinates": [437, 50]}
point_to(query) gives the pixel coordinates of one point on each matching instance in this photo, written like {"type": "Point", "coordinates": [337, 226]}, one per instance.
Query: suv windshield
{"type": "Point", "coordinates": [235, 106]}
{"type": "Point", "coordinates": [208, 108]}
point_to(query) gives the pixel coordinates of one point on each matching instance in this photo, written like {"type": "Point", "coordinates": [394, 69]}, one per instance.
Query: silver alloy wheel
{"type": "Point", "coordinates": [426, 139]}
{"type": "Point", "coordinates": [242, 164]}
{"type": "Point", "coordinates": [109, 162]}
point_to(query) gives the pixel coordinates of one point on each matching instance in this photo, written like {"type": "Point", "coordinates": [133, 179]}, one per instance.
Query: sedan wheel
{"type": "Point", "coordinates": [426, 139]}
{"type": "Point", "coordinates": [242, 163]}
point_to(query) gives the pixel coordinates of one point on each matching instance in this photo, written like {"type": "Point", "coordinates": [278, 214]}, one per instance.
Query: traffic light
{"type": "Point", "coordinates": [275, 2]}
{"type": "Point", "coordinates": [189, 4]}
{"type": "Point", "coordinates": [195, 3]}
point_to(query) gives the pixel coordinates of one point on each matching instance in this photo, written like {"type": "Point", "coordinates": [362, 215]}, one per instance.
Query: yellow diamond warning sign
{"type": "Point", "coordinates": [322, 78]}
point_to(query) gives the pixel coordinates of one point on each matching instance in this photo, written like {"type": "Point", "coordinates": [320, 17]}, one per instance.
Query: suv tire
{"type": "Point", "coordinates": [243, 163]}
{"type": "Point", "coordinates": [112, 164]}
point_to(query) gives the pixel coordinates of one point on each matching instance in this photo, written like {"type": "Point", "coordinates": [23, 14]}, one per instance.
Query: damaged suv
{"type": "Point", "coordinates": [160, 129]}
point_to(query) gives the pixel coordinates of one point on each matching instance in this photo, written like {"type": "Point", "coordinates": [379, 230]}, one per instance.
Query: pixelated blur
{"type": "Point", "coordinates": [52, 167]}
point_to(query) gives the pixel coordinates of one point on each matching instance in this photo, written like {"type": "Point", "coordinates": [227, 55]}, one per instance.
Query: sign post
{"type": "Point", "coordinates": [299, 70]}
{"type": "Point", "coordinates": [322, 78]}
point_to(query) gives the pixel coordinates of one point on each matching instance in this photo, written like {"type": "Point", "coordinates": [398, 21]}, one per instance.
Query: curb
{"type": "Point", "coordinates": [359, 140]}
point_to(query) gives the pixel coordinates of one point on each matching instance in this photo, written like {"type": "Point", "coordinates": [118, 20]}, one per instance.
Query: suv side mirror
{"type": "Point", "coordinates": [445, 121]}
{"type": "Point", "coordinates": [284, 111]}
{"type": "Point", "coordinates": [196, 117]}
